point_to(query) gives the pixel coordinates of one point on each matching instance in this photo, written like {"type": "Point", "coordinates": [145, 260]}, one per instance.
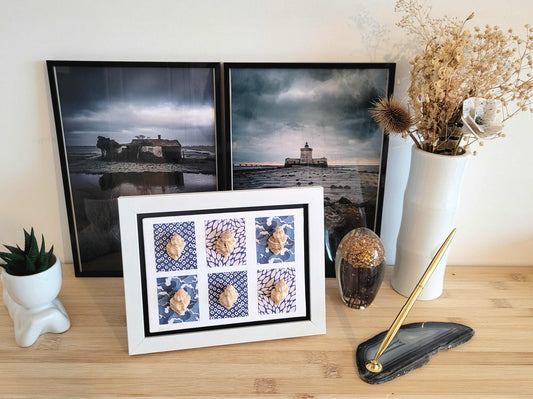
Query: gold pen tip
{"type": "Point", "coordinates": [374, 366]}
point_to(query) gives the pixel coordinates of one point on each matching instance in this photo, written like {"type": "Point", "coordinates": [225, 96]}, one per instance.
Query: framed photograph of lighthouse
{"type": "Point", "coordinates": [130, 128]}
{"type": "Point", "coordinates": [308, 124]}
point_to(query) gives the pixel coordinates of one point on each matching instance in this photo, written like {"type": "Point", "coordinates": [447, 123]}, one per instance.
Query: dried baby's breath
{"type": "Point", "coordinates": [456, 64]}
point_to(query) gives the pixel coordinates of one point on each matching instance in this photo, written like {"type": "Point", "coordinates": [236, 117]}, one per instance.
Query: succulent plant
{"type": "Point", "coordinates": [30, 260]}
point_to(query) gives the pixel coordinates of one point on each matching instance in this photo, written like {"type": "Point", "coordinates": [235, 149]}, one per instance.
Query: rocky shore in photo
{"type": "Point", "coordinates": [358, 184]}
{"type": "Point", "coordinates": [89, 160]}
{"type": "Point", "coordinates": [350, 194]}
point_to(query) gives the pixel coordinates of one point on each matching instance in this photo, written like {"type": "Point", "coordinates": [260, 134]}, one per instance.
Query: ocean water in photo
{"type": "Point", "coordinates": [96, 184]}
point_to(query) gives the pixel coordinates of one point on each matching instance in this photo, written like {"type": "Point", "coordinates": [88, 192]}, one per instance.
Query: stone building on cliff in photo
{"type": "Point", "coordinates": [306, 159]}
{"type": "Point", "coordinates": [141, 150]}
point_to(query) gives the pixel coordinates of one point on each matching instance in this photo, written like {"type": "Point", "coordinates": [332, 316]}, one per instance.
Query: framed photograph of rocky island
{"type": "Point", "coordinates": [131, 128]}
{"type": "Point", "coordinates": [308, 124]}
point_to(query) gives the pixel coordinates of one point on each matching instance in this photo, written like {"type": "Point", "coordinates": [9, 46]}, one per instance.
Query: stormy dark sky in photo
{"type": "Point", "coordinates": [124, 102]}
{"type": "Point", "coordinates": [274, 112]}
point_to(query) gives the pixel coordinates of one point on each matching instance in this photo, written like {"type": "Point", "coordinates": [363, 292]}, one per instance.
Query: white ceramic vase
{"type": "Point", "coordinates": [33, 304]}
{"type": "Point", "coordinates": [430, 204]}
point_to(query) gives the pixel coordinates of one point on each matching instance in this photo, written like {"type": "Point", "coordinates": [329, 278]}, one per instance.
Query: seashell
{"type": "Point", "coordinates": [180, 301]}
{"type": "Point", "coordinates": [228, 297]}
{"type": "Point", "coordinates": [277, 241]}
{"type": "Point", "coordinates": [175, 246]}
{"type": "Point", "coordinates": [226, 243]}
{"type": "Point", "coordinates": [280, 292]}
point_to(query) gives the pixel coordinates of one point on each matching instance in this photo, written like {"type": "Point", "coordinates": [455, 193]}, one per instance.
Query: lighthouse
{"type": "Point", "coordinates": [306, 159]}
{"type": "Point", "coordinates": [306, 155]}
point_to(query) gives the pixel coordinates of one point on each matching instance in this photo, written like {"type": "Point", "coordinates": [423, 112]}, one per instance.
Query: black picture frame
{"type": "Point", "coordinates": [276, 114]}
{"type": "Point", "coordinates": [131, 128]}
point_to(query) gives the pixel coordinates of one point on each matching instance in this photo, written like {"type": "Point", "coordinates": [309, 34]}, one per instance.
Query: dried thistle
{"type": "Point", "coordinates": [392, 116]}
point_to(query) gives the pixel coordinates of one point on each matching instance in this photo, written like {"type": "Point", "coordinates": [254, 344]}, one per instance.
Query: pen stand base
{"type": "Point", "coordinates": [410, 349]}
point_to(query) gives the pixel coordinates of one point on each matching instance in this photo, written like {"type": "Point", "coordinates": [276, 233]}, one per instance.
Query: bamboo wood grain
{"type": "Point", "coordinates": [91, 360]}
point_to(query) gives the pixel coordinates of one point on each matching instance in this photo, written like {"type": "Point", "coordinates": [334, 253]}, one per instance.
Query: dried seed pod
{"type": "Point", "coordinates": [180, 301]}
{"type": "Point", "coordinates": [228, 297]}
{"type": "Point", "coordinates": [226, 243]}
{"type": "Point", "coordinates": [175, 246]}
{"type": "Point", "coordinates": [280, 292]}
{"type": "Point", "coordinates": [277, 241]}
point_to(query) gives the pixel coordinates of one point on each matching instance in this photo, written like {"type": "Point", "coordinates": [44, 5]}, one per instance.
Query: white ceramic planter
{"type": "Point", "coordinates": [430, 204]}
{"type": "Point", "coordinates": [33, 305]}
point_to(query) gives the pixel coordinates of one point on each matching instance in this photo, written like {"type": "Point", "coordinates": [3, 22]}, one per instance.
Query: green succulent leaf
{"type": "Point", "coordinates": [7, 268]}
{"type": "Point", "coordinates": [30, 266]}
{"type": "Point", "coordinates": [42, 254]}
{"type": "Point", "coordinates": [27, 240]}
{"type": "Point", "coordinates": [14, 271]}
{"type": "Point", "coordinates": [47, 261]}
{"type": "Point", "coordinates": [15, 250]}
{"type": "Point", "coordinates": [33, 253]}
{"type": "Point", "coordinates": [12, 258]}
{"type": "Point", "coordinates": [30, 260]}
{"type": "Point", "coordinates": [49, 258]}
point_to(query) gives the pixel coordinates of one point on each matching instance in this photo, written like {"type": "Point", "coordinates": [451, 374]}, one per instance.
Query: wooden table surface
{"type": "Point", "coordinates": [91, 359]}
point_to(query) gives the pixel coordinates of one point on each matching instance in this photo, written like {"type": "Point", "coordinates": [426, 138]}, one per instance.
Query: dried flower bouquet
{"type": "Point", "coordinates": [457, 64]}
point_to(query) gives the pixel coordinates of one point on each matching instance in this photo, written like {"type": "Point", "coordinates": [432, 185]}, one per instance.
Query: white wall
{"type": "Point", "coordinates": [495, 222]}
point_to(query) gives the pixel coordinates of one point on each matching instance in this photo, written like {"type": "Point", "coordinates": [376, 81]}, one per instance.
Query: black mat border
{"type": "Point", "coordinates": [142, 264]}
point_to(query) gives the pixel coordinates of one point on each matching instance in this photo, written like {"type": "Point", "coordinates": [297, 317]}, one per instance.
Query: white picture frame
{"type": "Point", "coordinates": [151, 277]}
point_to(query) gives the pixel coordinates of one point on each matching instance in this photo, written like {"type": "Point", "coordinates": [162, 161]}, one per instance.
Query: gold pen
{"type": "Point", "coordinates": [373, 365]}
